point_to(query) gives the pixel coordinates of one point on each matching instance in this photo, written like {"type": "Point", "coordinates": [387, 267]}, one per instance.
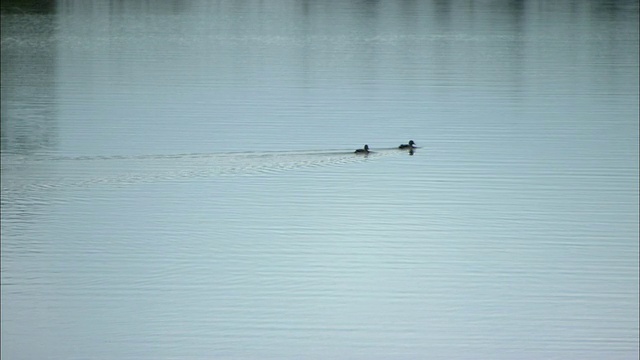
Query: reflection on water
{"type": "Point", "coordinates": [28, 97]}
{"type": "Point", "coordinates": [179, 180]}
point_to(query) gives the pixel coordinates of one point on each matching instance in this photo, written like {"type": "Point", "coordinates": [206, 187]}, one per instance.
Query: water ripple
{"type": "Point", "coordinates": [57, 172]}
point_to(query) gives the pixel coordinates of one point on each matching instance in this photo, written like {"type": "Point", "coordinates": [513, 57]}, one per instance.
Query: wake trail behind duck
{"type": "Point", "coordinates": [63, 172]}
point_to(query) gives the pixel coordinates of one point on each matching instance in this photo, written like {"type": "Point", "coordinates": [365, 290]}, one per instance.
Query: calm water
{"type": "Point", "coordinates": [178, 180]}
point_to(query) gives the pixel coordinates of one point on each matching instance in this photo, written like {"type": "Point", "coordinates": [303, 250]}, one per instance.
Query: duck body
{"type": "Point", "coordinates": [365, 150]}
{"type": "Point", "coordinates": [410, 145]}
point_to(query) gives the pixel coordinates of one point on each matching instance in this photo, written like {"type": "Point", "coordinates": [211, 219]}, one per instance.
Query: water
{"type": "Point", "coordinates": [178, 180]}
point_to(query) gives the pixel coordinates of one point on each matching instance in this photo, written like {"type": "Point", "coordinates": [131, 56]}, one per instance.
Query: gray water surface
{"type": "Point", "coordinates": [179, 182]}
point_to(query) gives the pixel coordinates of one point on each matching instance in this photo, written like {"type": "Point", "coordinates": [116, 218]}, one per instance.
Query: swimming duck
{"type": "Point", "coordinates": [363, 151]}
{"type": "Point", "coordinates": [407, 146]}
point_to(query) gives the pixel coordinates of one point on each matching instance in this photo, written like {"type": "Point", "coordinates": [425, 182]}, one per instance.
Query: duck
{"type": "Point", "coordinates": [410, 145]}
{"type": "Point", "coordinates": [363, 151]}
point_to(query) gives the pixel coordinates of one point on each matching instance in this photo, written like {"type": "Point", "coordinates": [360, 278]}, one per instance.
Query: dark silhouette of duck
{"type": "Point", "coordinates": [410, 145]}
{"type": "Point", "coordinates": [363, 151]}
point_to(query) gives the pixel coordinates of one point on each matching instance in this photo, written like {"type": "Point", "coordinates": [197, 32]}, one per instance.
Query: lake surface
{"type": "Point", "coordinates": [179, 182]}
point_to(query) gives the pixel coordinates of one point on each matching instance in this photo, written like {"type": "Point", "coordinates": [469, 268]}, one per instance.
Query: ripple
{"type": "Point", "coordinates": [39, 173]}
